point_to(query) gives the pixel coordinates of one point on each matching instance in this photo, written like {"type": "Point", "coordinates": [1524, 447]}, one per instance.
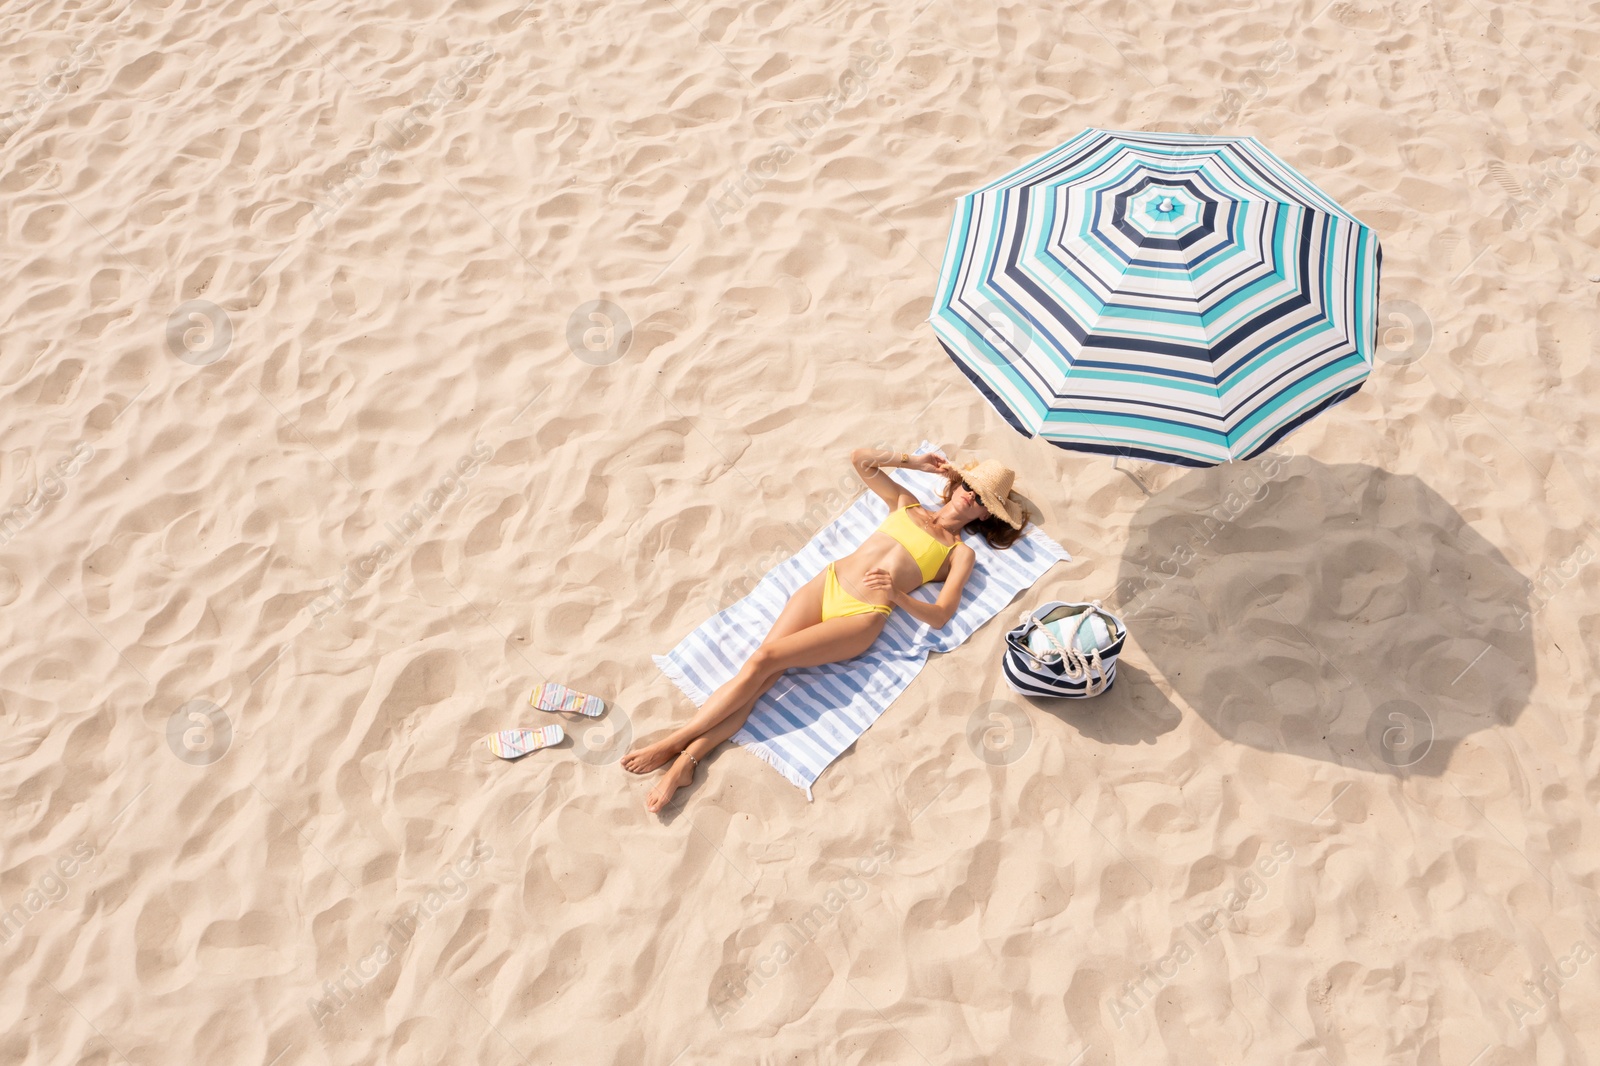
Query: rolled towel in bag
{"type": "Point", "coordinates": [1093, 635]}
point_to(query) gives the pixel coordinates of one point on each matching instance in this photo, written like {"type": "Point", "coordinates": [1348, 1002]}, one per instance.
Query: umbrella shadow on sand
{"type": "Point", "coordinates": [1337, 612]}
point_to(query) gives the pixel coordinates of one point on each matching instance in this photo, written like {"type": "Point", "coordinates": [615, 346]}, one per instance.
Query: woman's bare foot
{"type": "Point", "coordinates": [681, 774]}
{"type": "Point", "coordinates": [643, 760]}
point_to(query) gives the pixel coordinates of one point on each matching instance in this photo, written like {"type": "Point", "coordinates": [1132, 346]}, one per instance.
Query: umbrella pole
{"type": "Point", "coordinates": [1116, 464]}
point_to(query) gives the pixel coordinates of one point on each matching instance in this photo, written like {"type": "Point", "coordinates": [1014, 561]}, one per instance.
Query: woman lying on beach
{"type": "Point", "coordinates": [824, 623]}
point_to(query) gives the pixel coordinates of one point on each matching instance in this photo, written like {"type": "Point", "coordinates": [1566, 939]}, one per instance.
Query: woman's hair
{"type": "Point", "coordinates": [996, 530]}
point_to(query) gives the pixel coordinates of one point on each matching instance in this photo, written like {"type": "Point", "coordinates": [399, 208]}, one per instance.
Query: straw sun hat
{"type": "Point", "coordinates": [991, 480]}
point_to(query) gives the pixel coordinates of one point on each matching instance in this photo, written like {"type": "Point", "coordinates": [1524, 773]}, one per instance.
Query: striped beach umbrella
{"type": "Point", "coordinates": [1163, 296]}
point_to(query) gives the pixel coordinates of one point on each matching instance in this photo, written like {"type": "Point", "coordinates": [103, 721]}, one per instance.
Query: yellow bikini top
{"type": "Point", "coordinates": [928, 553]}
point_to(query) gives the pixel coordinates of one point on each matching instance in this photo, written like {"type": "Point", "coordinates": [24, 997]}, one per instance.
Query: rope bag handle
{"type": "Point", "coordinates": [1075, 665]}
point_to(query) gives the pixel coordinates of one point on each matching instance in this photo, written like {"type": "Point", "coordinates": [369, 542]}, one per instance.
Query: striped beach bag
{"type": "Point", "coordinates": [1064, 649]}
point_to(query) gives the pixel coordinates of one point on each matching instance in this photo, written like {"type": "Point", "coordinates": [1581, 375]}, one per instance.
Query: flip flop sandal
{"type": "Point", "coordinates": [515, 743]}
{"type": "Point", "coordinates": [561, 699]}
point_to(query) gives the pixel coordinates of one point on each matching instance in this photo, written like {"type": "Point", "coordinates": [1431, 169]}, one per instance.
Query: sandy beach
{"type": "Point", "coordinates": [365, 367]}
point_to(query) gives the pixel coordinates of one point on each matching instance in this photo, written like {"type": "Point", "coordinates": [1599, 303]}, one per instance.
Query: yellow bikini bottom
{"type": "Point", "coordinates": [837, 603]}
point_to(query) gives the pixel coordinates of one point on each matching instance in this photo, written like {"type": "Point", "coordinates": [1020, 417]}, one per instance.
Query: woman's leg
{"type": "Point", "coordinates": [803, 610]}
{"type": "Point", "coordinates": [826, 642]}
{"type": "Point", "coordinates": [682, 771]}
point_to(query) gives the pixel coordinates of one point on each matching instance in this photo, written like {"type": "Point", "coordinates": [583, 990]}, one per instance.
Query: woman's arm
{"type": "Point", "coordinates": [938, 613]}
{"type": "Point", "coordinates": [870, 463]}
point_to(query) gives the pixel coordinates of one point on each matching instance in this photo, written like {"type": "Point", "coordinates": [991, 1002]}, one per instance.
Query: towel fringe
{"type": "Point", "coordinates": [681, 679]}
{"type": "Point", "coordinates": [760, 750]}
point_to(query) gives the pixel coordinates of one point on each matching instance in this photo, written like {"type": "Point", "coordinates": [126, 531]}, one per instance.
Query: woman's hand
{"type": "Point", "coordinates": [929, 462]}
{"type": "Point", "coordinates": [878, 580]}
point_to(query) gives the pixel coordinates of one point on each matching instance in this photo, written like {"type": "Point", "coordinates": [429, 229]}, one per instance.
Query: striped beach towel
{"type": "Point", "coordinates": [813, 714]}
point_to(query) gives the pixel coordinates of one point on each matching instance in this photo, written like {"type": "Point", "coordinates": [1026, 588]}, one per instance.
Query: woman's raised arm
{"type": "Point", "coordinates": [870, 463]}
